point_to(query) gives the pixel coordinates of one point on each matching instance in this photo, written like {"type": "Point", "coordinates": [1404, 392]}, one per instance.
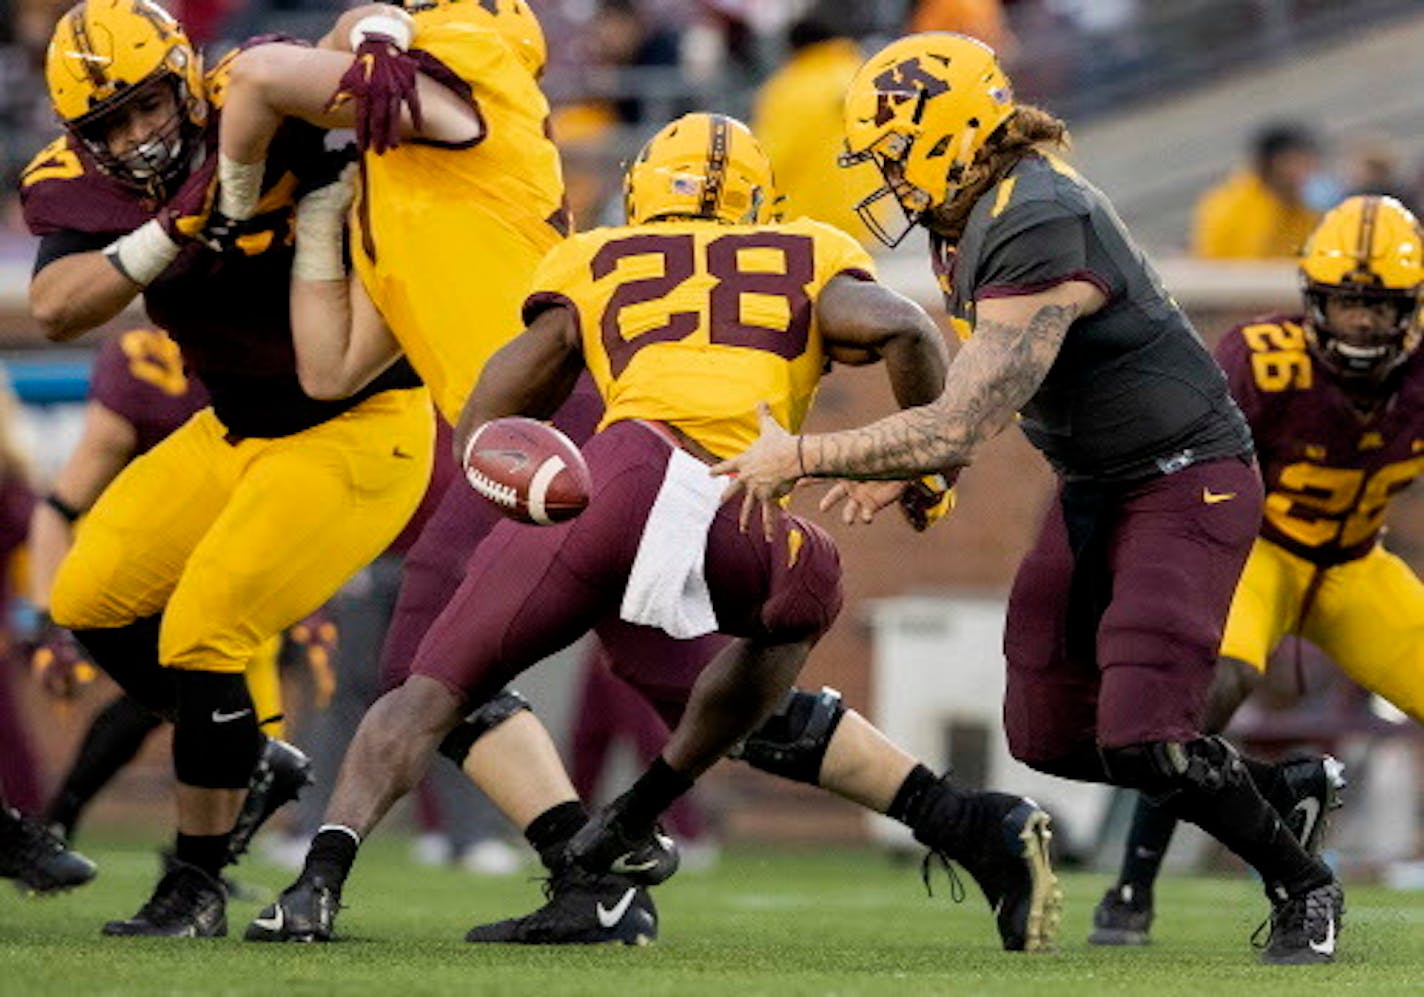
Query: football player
{"type": "Point", "coordinates": [698, 307]}
{"type": "Point", "coordinates": [1335, 398]}
{"type": "Point", "coordinates": [499, 203]}
{"type": "Point", "coordinates": [139, 392]}
{"type": "Point", "coordinates": [253, 513]}
{"type": "Point", "coordinates": [1116, 613]}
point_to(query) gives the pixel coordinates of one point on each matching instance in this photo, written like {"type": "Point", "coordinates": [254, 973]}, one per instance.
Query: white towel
{"type": "Point", "coordinates": [667, 588]}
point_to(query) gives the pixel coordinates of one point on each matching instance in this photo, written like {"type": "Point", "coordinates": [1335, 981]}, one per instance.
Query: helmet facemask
{"type": "Point", "coordinates": [153, 164]}
{"type": "Point", "coordinates": [878, 209]}
{"type": "Point", "coordinates": [1366, 351]}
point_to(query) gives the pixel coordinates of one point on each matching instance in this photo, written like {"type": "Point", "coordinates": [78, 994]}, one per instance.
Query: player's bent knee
{"type": "Point", "coordinates": [479, 722]}
{"type": "Point", "coordinates": [1163, 770]}
{"type": "Point", "coordinates": [215, 738]}
{"type": "Point", "coordinates": [792, 742]}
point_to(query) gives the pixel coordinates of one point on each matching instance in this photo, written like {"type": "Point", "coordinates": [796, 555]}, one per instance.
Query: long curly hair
{"type": "Point", "coordinates": [1028, 129]}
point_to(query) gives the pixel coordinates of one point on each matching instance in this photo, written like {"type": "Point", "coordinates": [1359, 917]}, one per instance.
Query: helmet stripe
{"type": "Point", "coordinates": [716, 166]}
{"type": "Point", "coordinates": [87, 56]}
{"type": "Point", "coordinates": [1369, 211]}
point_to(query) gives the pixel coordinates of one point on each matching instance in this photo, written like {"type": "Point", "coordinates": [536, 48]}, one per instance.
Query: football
{"type": "Point", "coordinates": [531, 472]}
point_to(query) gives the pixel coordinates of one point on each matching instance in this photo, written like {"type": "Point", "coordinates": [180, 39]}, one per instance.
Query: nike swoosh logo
{"type": "Point", "coordinates": [622, 865]}
{"type": "Point", "coordinates": [1309, 808]}
{"type": "Point", "coordinates": [608, 917]}
{"type": "Point", "coordinates": [1211, 498]}
{"type": "Point", "coordinates": [398, 452]}
{"type": "Point", "coordinates": [221, 718]}
{"type": "Point", "coordinates": [1327, 946]}
{"type": "Point", "coordinates": [273, 923]}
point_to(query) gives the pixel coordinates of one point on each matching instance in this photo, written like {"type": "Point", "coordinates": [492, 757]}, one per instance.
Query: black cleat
{"type": "Point", "coordinates": [606, 845]}
{"type": "Point", "coordinates": [581, 909]}
{"type": "Point", "coordinates": [305, 912]}
{"type": "Point", "coordinates": [281, 774]}
{"type": "Point", "coordinates": [186, 903]}
{"type": "Point", "coordinates": [1312, 787]}
{"type": "Point", "coordinates": [1005, 848]}
{"type": "Point", "coordinates": [37, 859]}
{"type": "Point", "coordinates": [1121, 918]}
{"type": "Point", "coordinates": [1304, 928]}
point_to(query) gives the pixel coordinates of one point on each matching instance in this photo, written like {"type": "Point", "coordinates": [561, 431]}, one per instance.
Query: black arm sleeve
{"type": "Point", "coordinates": [67, 242]}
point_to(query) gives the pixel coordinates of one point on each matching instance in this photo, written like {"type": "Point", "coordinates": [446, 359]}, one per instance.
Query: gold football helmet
{"type": "Point", "coordinates": [513, 19]}
{"type": "Point", "coordinates": [108, 56]}
{"type": "Point", "coordinates": [701, 166]}
{"type": "Point", "coordinates": [921, 109]}
{"type": "Point", "coordinates": [1367, 251]}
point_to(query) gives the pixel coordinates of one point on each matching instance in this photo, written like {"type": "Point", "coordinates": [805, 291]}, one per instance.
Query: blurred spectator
{"type": "Point", "coordinates": [798, 119]}
{"type": "Point", "coordinates": [1263, 211]}
{"type": "Point", "coordinates": [19, 773]}
{"type": "Point", "coordinates": [981, 19]}
{"type": "Point", "coordinates": [1372, 166]}
{"type": "Point", "coordinates": [623, 37]}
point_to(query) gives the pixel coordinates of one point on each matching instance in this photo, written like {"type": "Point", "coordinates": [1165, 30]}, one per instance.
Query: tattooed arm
{"type": "Point", "coordinates": [1014, 344]}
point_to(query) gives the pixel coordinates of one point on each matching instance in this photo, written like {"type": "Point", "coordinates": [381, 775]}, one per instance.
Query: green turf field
{"type": "Point", "coordinates": [783, 922]}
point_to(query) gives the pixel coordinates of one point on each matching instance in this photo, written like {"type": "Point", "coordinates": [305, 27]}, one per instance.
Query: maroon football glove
{"type": "Point", "coordinates": [929, 499]}
{"type": "Point", "coordinates": [58, 661]}
{"type": "Point", "coordinates": [380, 82]}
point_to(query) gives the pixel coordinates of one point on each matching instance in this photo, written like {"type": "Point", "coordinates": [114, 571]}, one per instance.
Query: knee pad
{"type": "Point", "coordinates": [215, 738]}
{"type": "Point", "coordinates": [1161, 770]}
{"type": "Point", "coordinates": [792, 741]}
{"type": "Point", "coordinates": [458, 742]}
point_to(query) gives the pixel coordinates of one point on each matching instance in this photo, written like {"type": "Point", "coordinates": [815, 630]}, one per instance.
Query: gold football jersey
{"type": "Point", "coordinates": [446, 238]}
{"type": "Point", "coordinates": [693, 322]}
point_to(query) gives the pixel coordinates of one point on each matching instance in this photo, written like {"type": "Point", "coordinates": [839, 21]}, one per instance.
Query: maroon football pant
{"type": "Point", "coordinates": [1116, 644]}
{"type": "Point", "coordinates": [531, 591]}
{"type": "Point", "coordinates": [436, 561]}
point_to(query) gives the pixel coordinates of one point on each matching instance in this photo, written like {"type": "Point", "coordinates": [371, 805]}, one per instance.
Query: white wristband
{"type": "Point", "coordinates": [321, 216]}
{"type": "Point", "coordinates": [144, 253]}
{"type": "Point", "coordinates": [394, 27]}
{"type": "Point", "coordinates": [239, 187]}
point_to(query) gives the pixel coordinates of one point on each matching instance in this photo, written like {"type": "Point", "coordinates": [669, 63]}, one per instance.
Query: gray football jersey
{"type": "Point", "coordinates": [1133, 392]}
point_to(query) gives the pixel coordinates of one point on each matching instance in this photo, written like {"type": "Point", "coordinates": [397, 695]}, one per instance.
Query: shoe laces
{"type": "Point", "coordinates": [177, 894]}
{"type": "Point", "coordinates": [1286, 915]}
{"type": "Point", "coordinates": [956, 885]}
{"type": "Point", "coordinates": [36, 842]}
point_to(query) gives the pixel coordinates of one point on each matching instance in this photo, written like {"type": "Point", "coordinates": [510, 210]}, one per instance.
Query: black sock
{"type": "Point", "coordinates": [331, 855]}
{"type": "Point", "coordinates": [206, 851]}
{"type": "Point", "coordinates": [111, 742]}
{"type": "Point", "coordinates": [910, 798]}
{"type": "Point", "coordinates": [548, 833]}
{"type": "Point", "coordinates": [1147, 842]}
{"type": "Point", "coordinates": [654, 792]}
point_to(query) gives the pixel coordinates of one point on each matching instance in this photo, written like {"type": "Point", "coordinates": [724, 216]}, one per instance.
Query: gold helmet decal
{"type": "Point", "coordinates": [701, 166]}
{"type": "Point", "coordinates": [1366, 253]}
{"type": "Point", "coordinates": [921, 109]}
{"type": "Point", "coordinates": [105, 54]}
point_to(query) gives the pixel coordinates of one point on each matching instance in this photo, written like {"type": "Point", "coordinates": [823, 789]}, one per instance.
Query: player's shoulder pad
{"type": "Point", "coordinates": [835, 247]}
{"type": "Point", "coordinates": [1036, 191]}
{"type": "Point", "coordinates": [61, 188]}
{"type": "Point", "coordinates": [216, 77]}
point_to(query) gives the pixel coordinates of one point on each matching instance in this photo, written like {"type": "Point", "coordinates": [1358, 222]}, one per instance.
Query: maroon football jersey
{"type": "Point", "coordinates": [1330, 472]}
{"type": "Point", "coordinates": [140, 376]}
{"type": "Point", "coordinates": [228, 312]}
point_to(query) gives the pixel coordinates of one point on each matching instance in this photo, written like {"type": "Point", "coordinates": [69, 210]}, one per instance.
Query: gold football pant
{"type": "Point", "coordinates": [235, 542]}
{"type": "Point", "coordinates": [264, 685]}
{"type": "Point", "coordinates": [1367, 615]}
